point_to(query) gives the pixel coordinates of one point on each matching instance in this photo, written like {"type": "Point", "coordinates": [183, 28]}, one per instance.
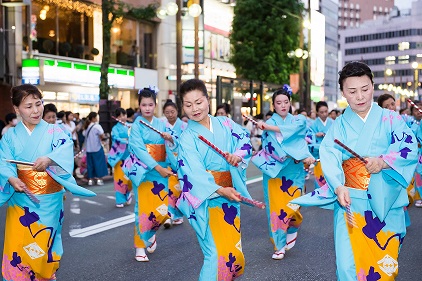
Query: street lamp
{"type": "Point", "coordinates": [194, 10]}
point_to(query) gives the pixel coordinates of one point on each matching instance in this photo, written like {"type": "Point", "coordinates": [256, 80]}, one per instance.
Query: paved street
{"type": "Point", "coordinates": [106, 252]}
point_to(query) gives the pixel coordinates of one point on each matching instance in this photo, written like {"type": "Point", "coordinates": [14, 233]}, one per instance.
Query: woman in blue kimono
{"type": "Point", "coordinates": [211, 184]}
{"type": "Point", "coordinates": [33, 244]}
{"type": "Point", "coordinates": [146, 167]}
{"type": "Point", "coordinates": [117, 154]}
{"type": "Point", "coordinates": [367, 198]}
{"type": "Point", "coordinates": [175, 126]}
{"type": "Point", "coordinates": [284, 152]}
{"type": "Point", "coordinates": [320, 127]}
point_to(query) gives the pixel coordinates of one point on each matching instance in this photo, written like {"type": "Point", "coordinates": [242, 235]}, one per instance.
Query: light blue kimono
{"type": "Point", "coordinates": [378, 211]}
{"type": "Point", "coordinates": [150, 188]}
{"type": "Point", "coordinates": [283, 179]}
{"type": "Point", "coordinates": [117, 154]}
{"type": "Point", "coordinates": [28, 222]}
{"type": "Point", "coordinates": [174, 193]}
{"type": "Point", "coordinates": [215, 219]}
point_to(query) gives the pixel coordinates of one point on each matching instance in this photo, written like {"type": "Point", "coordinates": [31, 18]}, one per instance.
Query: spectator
{"type": "Point", "coordinates": [130, 112]}
{"type": "Point", "coordinates": [334, 113]}
{"type": "Point", "coordinates": [71, 127]}
{"type": "Point", "coordinates": [50, 113]}
{"type": "Point", "coordinates": [185, 118]}
{"type": "Point", "coordinates": [11, 121]}
{"type": "Point", "coordinates": [223, 110]}
{"type": "Point", "coordinates": [96, 161]}
{"type": "Point", "coordinates": [268, 115]}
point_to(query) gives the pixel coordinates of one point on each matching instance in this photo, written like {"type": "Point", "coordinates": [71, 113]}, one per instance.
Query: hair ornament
{"type": "Point", "coordinates": [287, 89]}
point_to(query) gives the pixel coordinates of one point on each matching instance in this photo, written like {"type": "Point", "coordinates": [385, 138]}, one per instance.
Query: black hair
{"type": "Point", "coordinates": [9, 117]}
{"type": "Point", "coordinates": [335, 110]}
{"type": "Point", "coordinates": [320, 104]}
{"type": "Point", "coordinates": [169, 102]}
{"type": "Point", "coordinates": [130, 112]}
{"type": "Point", "coordinates": [269, 113]}
{"type": "Point", "coordinates": [224, 106]}
{"type": "Point", "coordinates": [286, 90]}
{"type": "Point", "coordinates": [354, 69]}
{"type": "Point", "coordinates": [146, 93]}
{"type": "Point", "coordinates": [401, 110]}
{"type": "Point", "coordinates": [67, 113]}
{"type": "Point", "coordinates": [191, 85]}
{"type": "Point", "coordinates": [417, 103]}
{"type": "Point", "coordinates": [49, 107]}
{"type": "Point", "coordinates": [89, 118]}
{"type": "Point", "coordinates": [119, 111]}
{"type": "Point", "coordinates": [19, 93]}
{"type": "Point", "coordinates": [382, 98]}
{"type": "Point", "coordinates": [60, 114]}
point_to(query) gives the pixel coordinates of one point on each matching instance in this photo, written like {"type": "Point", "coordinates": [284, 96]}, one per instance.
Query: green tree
{"type": "Point", "coordinates": [113, 9]}
{"type": "Point", "coordinates": [264, 31]}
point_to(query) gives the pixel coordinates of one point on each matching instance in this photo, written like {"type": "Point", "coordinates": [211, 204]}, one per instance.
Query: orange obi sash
{"type": "Point", "coordinates": [222, 178]}
{"type": "Point", "coordinates": [38, 182]}
{"type": "Point", "coordinates": [356, 175]}
{"type": "Point", "coordinates": [157, 151]}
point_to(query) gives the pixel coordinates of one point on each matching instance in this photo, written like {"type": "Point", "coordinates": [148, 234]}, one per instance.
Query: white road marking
{"type": "Point", "coordinates": [107, 225]}
{"type": "Point", "coordinates": [97, 228]}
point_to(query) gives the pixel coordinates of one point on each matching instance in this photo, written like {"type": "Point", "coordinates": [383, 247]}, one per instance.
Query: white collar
{"type": "Point", "coordinates": [367, 114]}
{"type": "Point", "coordinates": [26, 128]}
{"type": "Point", "coordinates": [323, 122]}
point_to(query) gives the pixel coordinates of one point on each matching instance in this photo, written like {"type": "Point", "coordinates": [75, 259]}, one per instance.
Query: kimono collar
{"type": "Point", "coordinates": [201, 129]}
{"type": "Point", "coordinates": [30, 147]}
{"type": "Point", "coordinates": [279, 120]}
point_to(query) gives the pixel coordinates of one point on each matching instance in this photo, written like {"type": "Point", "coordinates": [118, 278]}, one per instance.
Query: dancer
{"type": "Point", "coordinates": [117, 154]}
{"type": "Point", "coordinates": [211, 184]}
{"type": "Point", "coordinates": [320, 127]}
{"type": "Point", "coordinates": [33, 244]}
{"type": "Point", "coordinates": [367, 197]}
{"type": "Point", "coordinates": [146, 167]}
{"type": "Point", "coordinates": [284, 151]}
{"type": "Point", "coordinates": [175, 126]}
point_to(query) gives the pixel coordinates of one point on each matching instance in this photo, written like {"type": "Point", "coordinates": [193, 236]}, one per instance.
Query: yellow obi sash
{"type": "Point", "coordinates": [157, 151]}
{"type": "Point", "coordinates": [38, 182]}
{"type": "Point", "coordinates": [357, 176]}
{"type": "Point", "coordinates": [222, 178]}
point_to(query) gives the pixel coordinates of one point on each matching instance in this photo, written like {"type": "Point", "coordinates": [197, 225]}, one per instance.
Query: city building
{"type": "Point", "coordinates": [329, 9]}
{"type": "Point", "coordinates": [58, 45]}
{"type": "Point", "coordinates": [352, 13]}
{"type": "Point", "coordinates": [392, 47]}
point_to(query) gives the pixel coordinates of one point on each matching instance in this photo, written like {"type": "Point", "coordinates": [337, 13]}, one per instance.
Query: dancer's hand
{"type": "Point", "coordinates": [229, 192]}
{"type": "Point", "coordinates": [167, 137]}
{"type": "Point", "coordinates": [343, 195]}
{"type": "Point", "coordinates": [17, 184]}
{"type": "Point", "coordinates": [309, 160]}
{"type": "Point", "coordinates": [233, 159]}
{"type": "Point", "coordinates": [41, 164]}
{"type": "Point", "coordinates": [375, 164]}
{"type": "Point", "coordinates": [165, 173]}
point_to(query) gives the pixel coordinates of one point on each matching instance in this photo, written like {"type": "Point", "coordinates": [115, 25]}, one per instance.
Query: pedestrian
{"type": "Point", "coordinates": [367, 197]}
{"type": "Point", "coordinates": [33, 244]}
{"type": "Point", "coordinates": [387, 101]}
{"type": "Point", "coordinates": [11, 121]}
{"type": "Point", "coordinates": [95, 157]}
{"type": "Point", "coordinates": [146, 167]}
{"type": "Point", "coordinates": [284, 152]}
{"type": "Point", "coordinates": [211, 184]}
{"type": "Point", "coordinates": [175, 126]}
{"type": "Point", "coordinates": [71, 127]}
{"type": "Point", "coordinates": [320, 128]}
{"type": "Point", "coordinates": [130, 113]}
{"type": "Point", "coordinates": [116, 156]}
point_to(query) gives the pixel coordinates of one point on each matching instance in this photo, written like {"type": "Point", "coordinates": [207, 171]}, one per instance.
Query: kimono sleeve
{"type": "Point", "coordinates": [402, 153]}
{"type": "Point", "coordinates": [137, 145]}
{"type": "Point", "coordinates": [297, 128]}
{"type": "Point", "coordinates": [196, 183]}
{"type": "Point", "coordinates": [243, 147]}
{"type": "Point", "coordinates": [62, 150]}
{"type": "Point", "coordinates": [116, 135]}
{"type": "Point", "coordinates": [331, 158]}
{"type": "Point", "coordinates": [7, 169]}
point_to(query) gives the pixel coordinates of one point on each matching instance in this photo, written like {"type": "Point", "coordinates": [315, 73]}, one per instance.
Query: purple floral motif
{"type": "Point", "coordinates": [187, 185]}
{"type": "Point", "coordinates": [270, 148]}
{"type": "Point", "coordinates": [180, 162]}
{"type": "Point", "coordinates": [286, 184]}
{"type": "Point", "coordinates": [247, 147]}
{"type": "Point", "coordinates": [276, 223]}
{"type": "Point", "coordinates": [373, 275]}
{"type": "Point", "coordinates": [226, 273]}
{"type": "Point", "coordinates": [404, 151]}
{"type": "Point", "coordinates": [59, 142]}
{"type": "Point", "coordinates": [238, 136]}
{"type": "Point", "coordinates": [157, 188]}
{"type": "Point", "coordinates": [373, 227]}
{"type": "Point", "coordinates": [28, 218]}
{"type": "Point", "coordinates": [144, 223]}
{"type": "Point", "coordinates": [117, 148]}
{"type": "Point", "coordinates": [230, 214]}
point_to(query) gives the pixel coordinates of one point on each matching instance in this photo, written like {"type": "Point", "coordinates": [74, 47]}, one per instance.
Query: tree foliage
{"type": "Point", "coordinates": [264, 31]}
{"type": "Point", "coordinates": [112, 10]}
